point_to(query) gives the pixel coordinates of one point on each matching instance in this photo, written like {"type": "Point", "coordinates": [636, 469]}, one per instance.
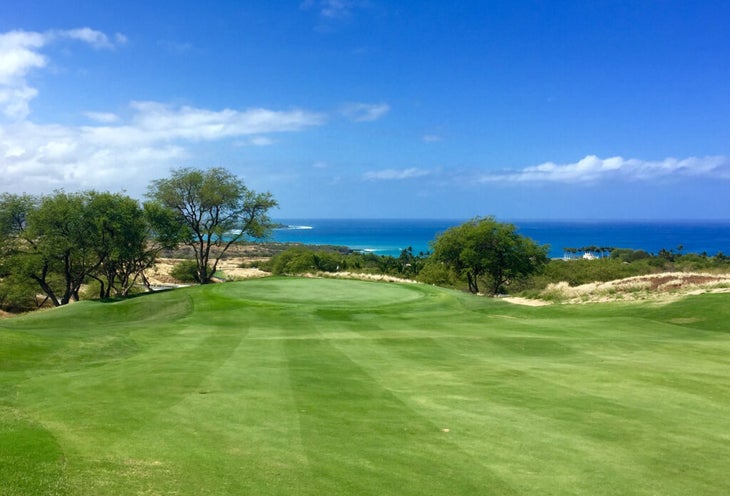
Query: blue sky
{"type": "Point", "coordinates": [348, 108]}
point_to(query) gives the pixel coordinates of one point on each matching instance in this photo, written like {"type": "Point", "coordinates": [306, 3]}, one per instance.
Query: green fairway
{"type": "Point", "coordinates": [313, 386]}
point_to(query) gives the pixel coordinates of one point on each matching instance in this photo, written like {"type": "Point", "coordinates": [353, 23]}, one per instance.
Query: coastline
{"type": "Point", "coordinates": [390, 236]}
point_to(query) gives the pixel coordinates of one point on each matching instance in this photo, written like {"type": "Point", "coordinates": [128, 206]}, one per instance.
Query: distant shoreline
{"type": "Point", "coordinates": [390, 236]}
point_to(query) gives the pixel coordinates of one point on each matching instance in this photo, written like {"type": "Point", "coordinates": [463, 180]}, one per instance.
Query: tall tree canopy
{"type": "Point", "coordinates": [485, 248]}
{"type": "Point", "coordinates": [59, 241]}
{"type": "Point", "coordinates": [216, 209]}
{"type": "Point", "coordinates": [63, 239]}
{"type": "Point", "coordinates": [126, 241]}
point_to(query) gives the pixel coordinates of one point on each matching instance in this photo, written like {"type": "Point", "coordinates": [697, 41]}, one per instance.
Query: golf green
{"type": "Point", "coordinates": [312, 386]}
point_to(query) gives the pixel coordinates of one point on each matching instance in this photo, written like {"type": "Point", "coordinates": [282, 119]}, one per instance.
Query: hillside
{"type": "Point", "coordinates": [314, 386]}
{"type": "Point", "coordinates": [657, 287]}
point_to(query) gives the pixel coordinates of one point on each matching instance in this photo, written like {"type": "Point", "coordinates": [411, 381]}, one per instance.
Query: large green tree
{"type": "Point", "coordinates": [486, 249]}
{"type": "Point", "coordinates": [59, 241]}
{"type": "Point", "coordinates": [125, 241]}
{"type": "Point", "coordinates": [14, 211]}
{"type": "Point", "coordinates": [216, 209]}
{"type": "Point", "coordinates": [17, 292]}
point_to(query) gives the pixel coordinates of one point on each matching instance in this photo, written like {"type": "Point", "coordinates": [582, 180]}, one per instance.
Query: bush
{"type": "Point", "coordinates": [19, 295]}
{"type": "Point", "coordinates": [301, 259]}
{"type": "Point", "coordinates": [628, 255]}
{"type": "Point", "coordinates": [293, 261]}
{"type": "Point", "coordinates": [186, 271]}
{"type": "Point", "coordinates": [436, 273]}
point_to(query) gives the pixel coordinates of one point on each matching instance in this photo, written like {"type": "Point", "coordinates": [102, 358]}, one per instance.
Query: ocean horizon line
{"type": "Point", "coordinates": [390, 236]}
{"type": "Point", "coordinates": [516, 220]}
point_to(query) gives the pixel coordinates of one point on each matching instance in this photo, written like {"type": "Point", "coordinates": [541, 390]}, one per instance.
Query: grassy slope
{"type": "Point", "coordinates": [293, 386]}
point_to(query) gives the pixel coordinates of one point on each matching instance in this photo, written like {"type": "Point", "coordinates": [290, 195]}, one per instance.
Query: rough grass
{"type": "Point", "coordinates": [306, 386]}
{"type": "Point", "coordinates": [645, 287]}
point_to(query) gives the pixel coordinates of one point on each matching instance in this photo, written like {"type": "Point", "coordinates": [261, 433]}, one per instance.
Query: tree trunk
{"type": "Point", "coordinates": [146, 283]}
{"type": "Point", "coordinates": [68, 277]}
{"type": "Point", "coordinates": [39, 305]}
{"type": "Point", "coordinates": [203, 272]}
{"type": "Point", "coordinates": [102, 291]}
{"type": "Point", "coordinates": [46, 288]}
{"type": "Point", "coordinates": [472, 281]}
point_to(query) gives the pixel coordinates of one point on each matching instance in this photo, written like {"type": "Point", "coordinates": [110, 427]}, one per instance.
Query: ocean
{"type": "Point", "coordinates": [390, 236]}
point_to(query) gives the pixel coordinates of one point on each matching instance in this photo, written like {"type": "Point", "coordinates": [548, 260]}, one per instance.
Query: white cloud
{"type": "Point", "coordinates": [20, 54]}
{"type": "Point", "coordinates": [592, 168]}
{"type": "Point", "coordinates": [110, 152]}
{"type": "Point", "coordinates": [336, 9]}
{"type": "Point", "coordinates": [96, 39]}
{"type": "Point", "coordinates": [332, 9]}
{"type": "Point", "coordinates": [104, 117]}
{"type": "Point", "coordinates": [364, 112]}
{"type": "Point", "coordinates": [431, 138]}
{"type": "Point", "coordinates": [395, 174]}
{"type": "Point", "coordinates": [14, 101]}
{"type": "Point", "coordinates": [261, 141]}
{"type": "Point", "coordinates": [157, 122]}
{"type": "Point", "coordinates": [176, 47]}
{"type": "Point", "coordinates": [254, 141]}
{"type": "Point", "coordinates": [38, 158]}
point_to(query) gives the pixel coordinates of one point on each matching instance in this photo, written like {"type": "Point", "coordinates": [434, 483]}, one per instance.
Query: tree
{"type": "Point", "coordinates": [17, 292]}
{"type": "Point", "coordinates": [60, 241]}
{"type": "Point", "coordinates": [14, 211]}
{"type": "Point", "coordinates": [125, 241]}
{"type": "Point", "coordinates": [484, 247]}
{"type": "Point", "coordinates": [216, 209]}
{"type": "Point", "coordinates": [65, 238]}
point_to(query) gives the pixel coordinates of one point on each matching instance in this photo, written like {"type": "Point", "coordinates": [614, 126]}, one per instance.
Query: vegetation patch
{"type": "Point", "coordinates": [314, 386]}
{"type": "Point", "coordinates": [650, 286]}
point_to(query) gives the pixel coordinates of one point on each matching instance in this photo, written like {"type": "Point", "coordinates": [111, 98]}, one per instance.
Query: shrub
{"type": "Point", "coordinates": [629, 255]}
{"type": "Point", "coordinates": [16, 297]}
{"type": "Point", "coordinates": [293, 261]}
{"type": "Point", "coordinates": [186, 271]}
{"type": "Point", "coordinates": [436, 273]}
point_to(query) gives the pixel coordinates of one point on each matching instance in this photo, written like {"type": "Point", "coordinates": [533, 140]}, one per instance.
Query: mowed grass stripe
{"type": "Point", "coordinates": [483, 426]}
{"type": "Point", "coordinates": [97, 413]}
{"type": "Point", "coordinates": [389, 444]}
{"type": "Point", "coordinates": [297, 386]}
{"type": "Point", "coordinates": [551, 398]}
{"type": "Point", "coordinates": [242, 424]}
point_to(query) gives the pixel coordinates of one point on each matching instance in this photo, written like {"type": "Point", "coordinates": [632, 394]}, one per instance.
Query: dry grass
{"type": "Point", "coordinates": [361, 276]}
{"type": "Point", "coordinates": [159, 275]}
{"type": "Point", "coordinates": [662, 287]}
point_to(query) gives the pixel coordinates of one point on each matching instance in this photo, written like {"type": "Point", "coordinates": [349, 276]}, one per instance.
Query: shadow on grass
{"type": "Point", "coordinates": [117, 299]}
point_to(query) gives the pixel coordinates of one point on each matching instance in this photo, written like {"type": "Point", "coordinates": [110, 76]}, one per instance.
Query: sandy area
{"type": "Point", "coordinates": [662, 287]}
{"type": "Point", "coordinates": [159, 275]}
{"type": "Point", "coordinates": [525, 301]}
{"type": "Point", "coordinates": [232, 269]}
{"type": "Point", "coordinates": [362, 277]}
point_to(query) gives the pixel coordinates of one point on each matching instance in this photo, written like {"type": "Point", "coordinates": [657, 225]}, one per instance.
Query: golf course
{"type": "Point", "coordinates": [296, 386]}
